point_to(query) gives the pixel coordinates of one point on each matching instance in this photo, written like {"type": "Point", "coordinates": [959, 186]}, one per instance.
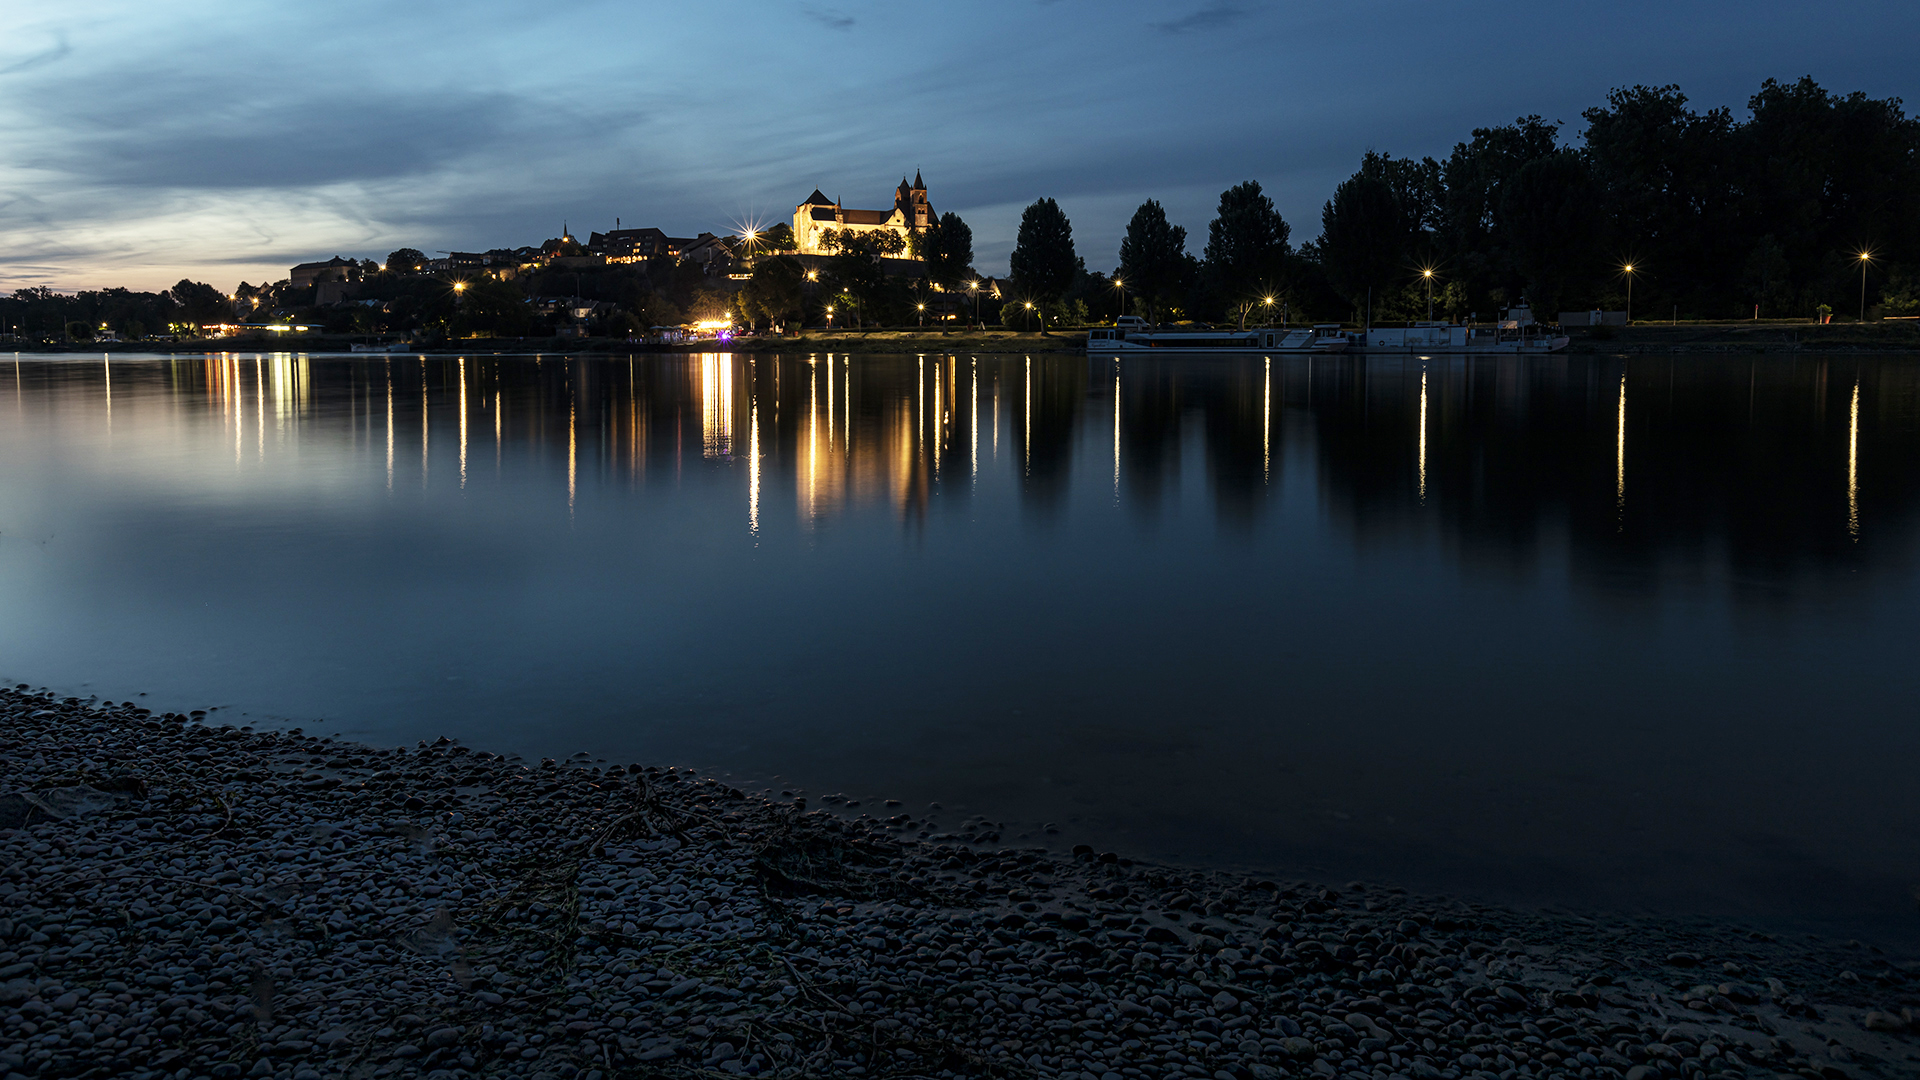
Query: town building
{"type": "Point", "coordinates": [308, 274]}
{"type": "Point", "coordinates": [813, 218]}
{"type": "Point", "coordinates": [636, 245]}
{"type": "Point", "coordinates": [710, 251]}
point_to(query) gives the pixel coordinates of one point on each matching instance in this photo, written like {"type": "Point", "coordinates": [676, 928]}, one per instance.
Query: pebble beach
{"type": "Point", "coordinates": [187, 899]}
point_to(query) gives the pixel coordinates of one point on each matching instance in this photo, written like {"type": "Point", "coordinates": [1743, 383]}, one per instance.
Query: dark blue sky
{"type": "Point", "coordinates": [145, 142]}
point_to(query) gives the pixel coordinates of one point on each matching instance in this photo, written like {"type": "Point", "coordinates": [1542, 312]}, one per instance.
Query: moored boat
{"type": "Point", "coordinates": [1514, 333]}
{"type": "Point", "coordinates": [1134, 335]}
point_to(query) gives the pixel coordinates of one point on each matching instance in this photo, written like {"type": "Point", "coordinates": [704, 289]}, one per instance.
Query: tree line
{"type": "Point", "coordinates": [39, 313]}
{"type": "Point", "coordinates": [1716, 218]}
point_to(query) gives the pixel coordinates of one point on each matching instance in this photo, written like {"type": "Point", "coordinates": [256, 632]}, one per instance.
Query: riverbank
{"type": "Point", "coordinates": [836, 341]}
{"type": "Point", "coordinates": [185, 899]}
{"type": "Point", "coordinates": [1894, 336]}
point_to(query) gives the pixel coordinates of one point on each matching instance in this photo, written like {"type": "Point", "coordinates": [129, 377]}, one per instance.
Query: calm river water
{"type": "Point", "coordinates": [1600, 632]}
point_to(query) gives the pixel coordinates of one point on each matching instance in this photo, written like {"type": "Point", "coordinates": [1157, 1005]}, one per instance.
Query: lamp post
{"type": "Point", "coordinates": [923, 315]}
{"type": "Point", "coordinates": [1628, 270]}
{"type": "Point", "coordinates": [973, 287]}
{"type": "Point", "coordinates": [1041, 311]}
{"type": "Point", "coordinates": [1428, 274]}
{"type": "Point", "coordinates": [1865, 258]}
{"type": "Point", "coordinates": [829, 316]}
{"type": "Point", "coordinates": [1121, 287]}
{"type": "Point", "coordinates": [1267, 302]}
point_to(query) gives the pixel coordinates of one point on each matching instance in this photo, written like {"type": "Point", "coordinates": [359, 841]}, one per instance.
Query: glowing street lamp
{"type": "Point", "coordinates": [1428, 275]}
{"type": "Point", "coordinates": [1042, 312]}
{"type": "Point", "coordinates": [974, 288]}
{"type": "Point", "coordinates": [923, 315]}
{"type": "Point", "coordinates": [1628, 270]}
{"type": "Point", "coordinates": [1267, 302]}
{"type": "Point", "coordinates": [829, 316]}
{"type": "Point", "coordinates": [1865, 258]}
{"type": "Point", "coordinates": [1121, 287]}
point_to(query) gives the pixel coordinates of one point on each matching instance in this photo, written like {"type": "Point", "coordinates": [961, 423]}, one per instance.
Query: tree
{"type": "Point", "coordinates": [1468, 237]}
{"type": "Point", "coordinates": [1826, 175]}
{"type": "Point", "coordinates": [1043, 262]}
{"type": "Point", "coordinates": [405, 261]}
{"type": "Point", "coordinates": [1547, 212]}
{"type": "Point", "coordinates": [658, 309]}
{"type": "Point", "coordinates": [777, 237]}
{"type": "Point", "coordinates": [947, 249]}
{"type": "Point", "coordinates": [489, 306]}
{"type": "Point", "coordinates": [1365, 234]}
{"type": "Point", "coordinates": [1668, 195]}
{"type": "Point", "coordinates": [773, 292]}
{"type": "Point", "coordinates": [863, 243]}
{"type": "Point", "coordinates": [1246, 247]}
{"type": "Point", "coordinates": [200, 303]}
{"type": "Point", "coordinates": [1153, 257]}
{"type": "Point", "coordinates": [710, 305]}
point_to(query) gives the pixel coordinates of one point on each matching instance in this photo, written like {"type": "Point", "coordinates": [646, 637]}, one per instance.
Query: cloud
{"type": "Point", "coordinates": [1211, 17]}
{"type": "Point", "coordinates": [59, 50]}
{"type": "Point", "coordinates": [181, 132]}
{"type": "Point", "coordinates": [832, 20]}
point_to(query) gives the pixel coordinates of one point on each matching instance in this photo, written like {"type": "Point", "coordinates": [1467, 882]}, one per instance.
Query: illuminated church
{"type": "Point", "coordinates": [911, 212]}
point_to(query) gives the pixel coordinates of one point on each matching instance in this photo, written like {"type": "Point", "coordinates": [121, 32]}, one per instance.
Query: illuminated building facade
{"type": "Point", "coordinates": [811, 219]}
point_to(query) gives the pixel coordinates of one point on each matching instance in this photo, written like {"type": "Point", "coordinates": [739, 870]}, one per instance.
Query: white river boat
{"type": "Point", "coordinates": [1515, 333]}
{"type": "Point", "coordinates": [1134, 335]}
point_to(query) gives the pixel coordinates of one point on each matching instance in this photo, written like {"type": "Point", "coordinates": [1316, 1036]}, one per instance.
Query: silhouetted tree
{"type": "Point", "coordinates": [1246, 247]}
{"type": "Point", "coordinates": [1043, 261]}
{"type": "Point", "coordinates": [1366, 235]}
{"type": "Point", "coordinates": [1153, 258]}
{"type": "Point", "coordinates": [773, 292]}
{"type": "Point", "coordinates": [947, 249]}
{"type": "Point", "coordinates": [1547, 214]}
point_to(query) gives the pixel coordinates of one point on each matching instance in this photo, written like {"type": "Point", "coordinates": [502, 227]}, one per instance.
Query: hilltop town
{"type": "Point", "coordinates": [833, 266]}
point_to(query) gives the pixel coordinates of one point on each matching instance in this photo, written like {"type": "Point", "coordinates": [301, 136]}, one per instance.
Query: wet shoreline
{"type": "Point", "coordinates": [183, 899]}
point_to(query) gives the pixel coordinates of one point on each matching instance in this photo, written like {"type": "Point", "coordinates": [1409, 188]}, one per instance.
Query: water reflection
{"type": "Point", "coordinates": [1501, 448]}
{"type": "Point", "coordinates": [1386, 617]}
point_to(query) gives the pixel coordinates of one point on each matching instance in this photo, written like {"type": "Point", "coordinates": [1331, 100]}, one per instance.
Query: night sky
{"type": "Point", "coordinates": [144, 142]}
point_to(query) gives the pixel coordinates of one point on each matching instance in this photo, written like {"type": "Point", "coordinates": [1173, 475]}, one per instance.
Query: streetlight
{"type": "Point", "coordinates": [1865, 258]}
{"type": "Point", "coordinates": [1428, 274]}
{"type": "Point", "coordinates": [829, 316]}
{"type": "Point", "coordinates": [974, 288]}
{"type": "Point", "coordinates": [923, 315]}
{"type": "Point", "coordinates": [1628, 270]}
{"type": "Point", "coordinates": [1043, 315]}
{"type": "Point", "coordinates": [1267, 302]}
{"type": "Point", "coordinates": [1122, 287]}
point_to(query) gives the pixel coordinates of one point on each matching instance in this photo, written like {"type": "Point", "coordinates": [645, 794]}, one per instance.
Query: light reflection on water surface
{"type": "Point", "coordinates": [1591, 630]}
